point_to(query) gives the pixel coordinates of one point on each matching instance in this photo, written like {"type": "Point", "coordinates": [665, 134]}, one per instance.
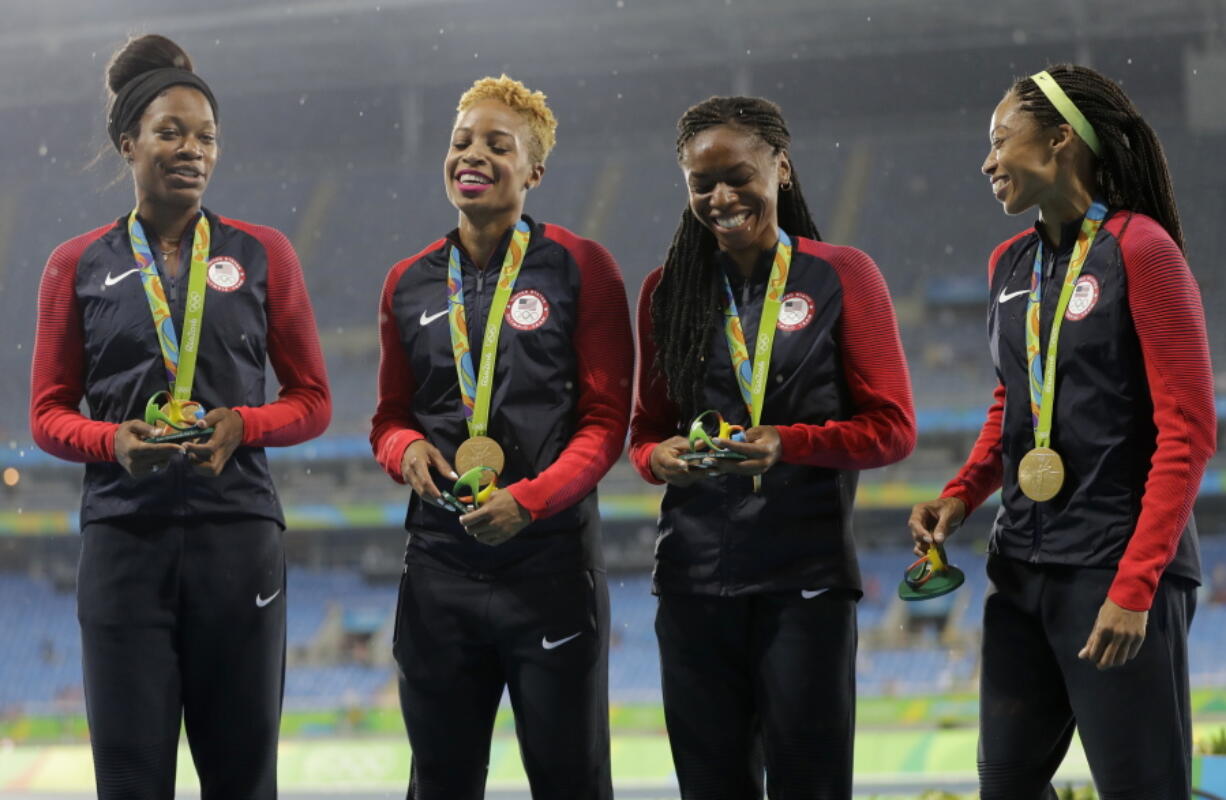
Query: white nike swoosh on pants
{"type": "Point", "coordinates": [426, 319]}
{"type": "Point", "coordinates": [548, 645]}
{"type": "Point", "coordinates": [263, 601]}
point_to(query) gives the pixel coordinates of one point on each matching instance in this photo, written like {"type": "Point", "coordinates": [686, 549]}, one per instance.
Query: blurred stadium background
{"type": "Point", "coordinates": [335, 116]}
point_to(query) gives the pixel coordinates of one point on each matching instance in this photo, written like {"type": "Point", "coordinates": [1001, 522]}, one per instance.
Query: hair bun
{"type": "Point", "coordinates": [142, 54]}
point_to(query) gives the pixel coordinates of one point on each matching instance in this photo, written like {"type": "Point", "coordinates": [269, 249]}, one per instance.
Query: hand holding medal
{"type": "Point", "coordinates": [499, 518]}
{"type": "Point", "coordinates": [490, 515]}
{"type": "Point", "coordinates": [759, 449]}
{"type": "Point", "coordinates": [930, 576]}
{"type": "Point", "coordinates": [210, 457]}
{"type": "Point", "coordinates": [419, 459]}
{"type": "Point", "coordinates": [667, 463]}
{"type": "Point", "coordinates": [137, 454]}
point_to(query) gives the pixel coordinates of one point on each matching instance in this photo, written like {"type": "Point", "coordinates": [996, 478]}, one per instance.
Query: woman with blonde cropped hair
{"type": "Point", "coordinates": [504, 397]}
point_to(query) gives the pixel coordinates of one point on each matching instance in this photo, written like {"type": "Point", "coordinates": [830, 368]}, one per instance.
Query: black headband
{"type": "Point", "coordinates": [138, 93]}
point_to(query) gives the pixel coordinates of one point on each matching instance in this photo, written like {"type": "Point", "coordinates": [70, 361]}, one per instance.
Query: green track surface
{"type": "Point", "coordinates": [914, 741]}
{"type": "Point", "coordinates": [382, 763]}
{"type": "Point", "coordinates": [948, 711]}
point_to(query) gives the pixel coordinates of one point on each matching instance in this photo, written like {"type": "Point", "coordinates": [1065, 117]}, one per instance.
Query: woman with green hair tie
{"type": "Point", "coordinates": [1102, 423]}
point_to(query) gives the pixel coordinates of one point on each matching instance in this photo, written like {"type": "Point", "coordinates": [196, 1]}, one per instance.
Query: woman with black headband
{"type": "Point", "coordinates": [162, 322]}
{"type": "Point", "coordinates": [1102, 424]}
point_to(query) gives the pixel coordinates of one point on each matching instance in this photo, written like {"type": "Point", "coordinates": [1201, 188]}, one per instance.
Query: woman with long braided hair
{"type": "Point", "coordinates": [755, 565]}
{"type": "Point", "coordinates": [1102, 424]}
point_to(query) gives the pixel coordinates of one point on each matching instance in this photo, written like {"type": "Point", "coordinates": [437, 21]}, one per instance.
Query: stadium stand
{"type": "Point", "coordinates": [340, 634]}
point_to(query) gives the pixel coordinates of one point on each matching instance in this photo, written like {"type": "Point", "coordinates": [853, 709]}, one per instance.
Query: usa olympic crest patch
{"type": "Point", "coordinates": [527, 310]}
{"type": "Point", "coordinates": [225, 274]}
{"type": "Point", "coordinates": [796, 311]}
{"type": "Point", "coordinates": [1085, 296]}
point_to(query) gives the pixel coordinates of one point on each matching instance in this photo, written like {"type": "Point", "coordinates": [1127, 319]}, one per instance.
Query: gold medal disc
{"type": "Point", "coordinates": [480, 451]}
{"type": "Point", "coordinates": [1041, 474]}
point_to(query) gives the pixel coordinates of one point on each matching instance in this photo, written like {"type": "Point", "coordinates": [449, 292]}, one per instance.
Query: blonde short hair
{"type": "Point", "coordinates": [528, 104]}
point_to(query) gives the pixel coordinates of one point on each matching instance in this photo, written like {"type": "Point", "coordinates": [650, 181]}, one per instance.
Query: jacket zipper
{"type": "Point", "coordinates": [476, 332]}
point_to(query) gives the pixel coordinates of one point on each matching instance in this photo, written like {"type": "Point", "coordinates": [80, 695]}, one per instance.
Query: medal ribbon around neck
{"type": "Point", "coordinates": [751, 374]}
{"type": "Point", "coordinates": [475, 389]}
{"type": "Point", "coordinates": [1043, 378]}
{"type": "Point", "coordinates": [180, 362]}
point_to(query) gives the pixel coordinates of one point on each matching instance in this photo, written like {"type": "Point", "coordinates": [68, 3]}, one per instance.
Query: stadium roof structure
{"type": "Point", "coordinates": [261, 45]}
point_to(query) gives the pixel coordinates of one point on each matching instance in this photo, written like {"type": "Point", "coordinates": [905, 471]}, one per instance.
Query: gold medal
{"type": "Point", "coordinates": [480, 451]}
{"type": "Point", "coordinates": [1041, 474]}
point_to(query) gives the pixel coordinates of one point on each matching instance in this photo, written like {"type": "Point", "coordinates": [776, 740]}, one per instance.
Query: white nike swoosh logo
{"type": "Point", "coordinates": [263, 601]}
{"type": "Point", "coordinates": [426, 319]}
{"type": "Point", "coordinates": [548, 645]}
{"type": "Point", "coordinates": [111, 281]}
{"type": "Point", "coordinates": [1004, 298]}
{"type": "Point", "coordinates": [809, 594]}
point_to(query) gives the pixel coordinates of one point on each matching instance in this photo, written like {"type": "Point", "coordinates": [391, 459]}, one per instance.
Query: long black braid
{"type": "Point", "coordinates": [1132, 172]}
{"type": "Point", "coordinates": [689, 292]}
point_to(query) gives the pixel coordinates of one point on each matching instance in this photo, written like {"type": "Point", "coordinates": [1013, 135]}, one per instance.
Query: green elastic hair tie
{"type": "Point", "coordinates": [1068, 109]}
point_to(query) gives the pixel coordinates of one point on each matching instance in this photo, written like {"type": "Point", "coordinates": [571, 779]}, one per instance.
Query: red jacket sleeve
{"type": "Point", "coordinates": [1170, 322]}
{"type": "Point", "coordinates": [605, 352]}
{"type": "Point", "coordinates": [655, 417]}
{"type": "Point", "coordinates": [882, 428]}
{"type": "Point", "coordinates": [394, 428]}
{"type": "Point", "coordinates": [57, 373]}
{"type": "Point", "coordinates": [984, 469]}
{"type": "Point", "coordinates": [303, 406]}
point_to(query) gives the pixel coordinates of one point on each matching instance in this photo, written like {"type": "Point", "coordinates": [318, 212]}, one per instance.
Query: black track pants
{"type": "Point", "coordinates": [764, 682]}
{"type": "Point", "coordinates": [460, 640]}
{"type": "Point", "coordinates": [183, 622]}
{"type": "Point", "coordinates": [1134, 720]}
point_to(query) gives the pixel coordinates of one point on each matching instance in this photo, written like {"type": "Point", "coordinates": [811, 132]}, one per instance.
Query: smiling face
{"type": "Point", "coordinates": [1021, 163]}
{"type": "Point", "coordinates": [175, 149]}
{"type": "Point", "coordinates": [489, 167]}
{"type": "Point", "coordinates": [733, 179]}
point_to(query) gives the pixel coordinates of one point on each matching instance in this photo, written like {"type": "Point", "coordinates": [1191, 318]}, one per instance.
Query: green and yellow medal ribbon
{"type": "Point", "coordinates": [476, 389]}
{"type": "Point", "coordinates": [178, 359]}
{"type": "Point", "coordinates": [1043, 377]}
{"type": "Point", "coordinates": [751, 374]}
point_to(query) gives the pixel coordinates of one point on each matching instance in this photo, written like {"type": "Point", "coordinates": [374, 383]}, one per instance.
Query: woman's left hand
{"type": "Point", "coordinates": [1117, 636]}
{"type": "Point", "coordinates": [498, 520]}
{"type": "Point", "coordinates": [762, 447]}
{"type": "Point", "coordinates": [210, 457]}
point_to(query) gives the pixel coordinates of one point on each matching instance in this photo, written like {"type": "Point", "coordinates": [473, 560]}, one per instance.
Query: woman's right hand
{"type": "Point", "coordinates": [415, 469]}
{"type": "Point", "coordinates": [932, 522]}
{"type": "Point", "coordinates": [666, 463]}
{"type": "Point", "coordinates": [137, 456]}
